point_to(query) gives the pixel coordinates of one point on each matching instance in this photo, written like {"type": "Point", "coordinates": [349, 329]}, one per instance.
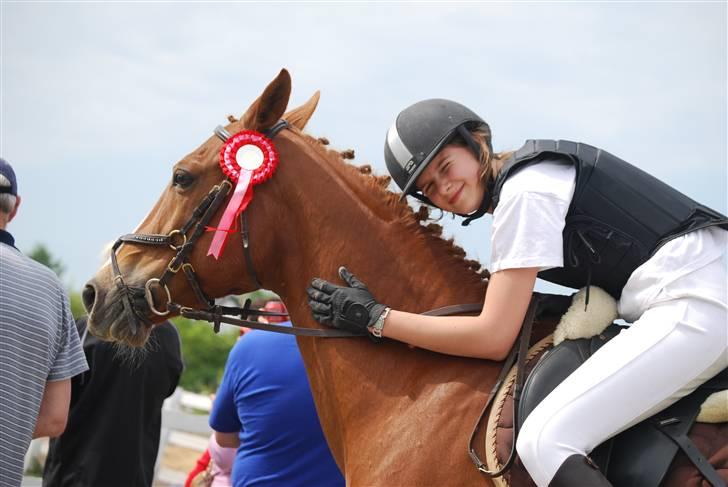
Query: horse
{"type": "Point", "coordinates": [392, 414]}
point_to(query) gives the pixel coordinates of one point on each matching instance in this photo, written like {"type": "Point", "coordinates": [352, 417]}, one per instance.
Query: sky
{"type": "Point", "coordinates": [99, 100]}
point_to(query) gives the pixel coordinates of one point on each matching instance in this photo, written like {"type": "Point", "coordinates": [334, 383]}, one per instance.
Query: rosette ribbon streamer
{"type": "Point", "coordinates": [247, 158]}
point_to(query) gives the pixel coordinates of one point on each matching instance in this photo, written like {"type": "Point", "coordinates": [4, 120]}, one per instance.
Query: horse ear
{"type": "Point", "coordinates": [299, 117]}
{"type": "Point", "coordinates": [269, 107]}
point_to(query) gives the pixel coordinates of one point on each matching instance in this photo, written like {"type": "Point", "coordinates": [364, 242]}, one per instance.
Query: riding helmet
{"type": "Point", "coordinates": [418, 134]}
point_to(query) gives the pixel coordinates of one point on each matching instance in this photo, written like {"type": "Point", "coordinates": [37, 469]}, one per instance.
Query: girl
{"type": "Point", "coordinates": [574, 215]}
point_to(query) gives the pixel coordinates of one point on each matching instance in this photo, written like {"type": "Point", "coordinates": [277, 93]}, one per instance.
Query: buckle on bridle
{"type": "Point", "coordinates": [171, 236]}
{"type": "Point", "coordinates": [174, 270]}
{"type": "Point", "coordinates": [150, 297]}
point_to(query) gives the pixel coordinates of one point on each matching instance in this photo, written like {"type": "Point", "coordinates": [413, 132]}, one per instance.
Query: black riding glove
{"type": "Point", "coordinates": [350, 308]}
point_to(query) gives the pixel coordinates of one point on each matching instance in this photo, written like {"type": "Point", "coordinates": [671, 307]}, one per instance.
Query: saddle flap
{"type": "Point", "coordinates": [556, 365]}
{"type": "Point", "coordinates": [640, 455]}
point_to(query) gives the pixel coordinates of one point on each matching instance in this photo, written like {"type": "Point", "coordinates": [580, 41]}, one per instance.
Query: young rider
{"type": "Point", "coordinates": [574, 215]}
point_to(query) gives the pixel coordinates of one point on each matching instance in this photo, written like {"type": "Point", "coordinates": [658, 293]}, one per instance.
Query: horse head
{"type": "Point", "coordinates": [124, 304]}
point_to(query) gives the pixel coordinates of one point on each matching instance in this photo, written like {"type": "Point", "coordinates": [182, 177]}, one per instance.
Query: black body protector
{"type": "Point", "coordinates": [618, 218]}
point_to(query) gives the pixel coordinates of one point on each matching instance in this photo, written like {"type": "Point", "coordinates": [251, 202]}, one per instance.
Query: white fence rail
{"type": "Point", "coordinates": [180, 427]}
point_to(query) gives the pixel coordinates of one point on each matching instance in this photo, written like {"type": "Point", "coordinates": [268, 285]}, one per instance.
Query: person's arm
{"type": "Point", "coordinates": [227, 440]}
{"type": "Point", "coordinates": [489, 335]}
{"type": "Point", "coordinates": [224, 419]}
{"type": "Point", "coordinates": [54, 406]}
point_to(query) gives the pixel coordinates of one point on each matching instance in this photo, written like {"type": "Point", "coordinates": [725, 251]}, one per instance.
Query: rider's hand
{"type": "Point", "coordinates": [350, 308]}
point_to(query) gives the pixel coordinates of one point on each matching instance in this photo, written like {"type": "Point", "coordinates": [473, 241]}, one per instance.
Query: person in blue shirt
{"type": "Point", "coordinates": [264, 408]}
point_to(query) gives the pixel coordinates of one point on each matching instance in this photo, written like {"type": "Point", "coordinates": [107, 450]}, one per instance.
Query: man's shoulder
{"type": "Point", "coordinates": [24, 267]}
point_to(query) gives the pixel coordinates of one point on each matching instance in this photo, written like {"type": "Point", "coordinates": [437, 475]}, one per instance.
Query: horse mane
{"type": "Point", "coordinates": [419, 222]}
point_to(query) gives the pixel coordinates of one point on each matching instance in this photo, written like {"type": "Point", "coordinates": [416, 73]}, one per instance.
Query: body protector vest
{"type": "Point", "coordinates": [618, 218]}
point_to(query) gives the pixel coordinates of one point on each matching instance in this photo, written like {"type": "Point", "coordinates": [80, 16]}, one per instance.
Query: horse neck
{"type": "Point", "coordinates": [333, 216]}
{"type": "Point", "coordinates": [325, 216]}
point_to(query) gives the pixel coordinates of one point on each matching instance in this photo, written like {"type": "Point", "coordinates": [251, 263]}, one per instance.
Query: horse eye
{"type": "Point", "coordinates": [182, 179]}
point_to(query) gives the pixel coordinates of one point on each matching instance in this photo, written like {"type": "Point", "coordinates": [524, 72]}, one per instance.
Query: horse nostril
{"type": "Point", "coordinates": [89, 297]}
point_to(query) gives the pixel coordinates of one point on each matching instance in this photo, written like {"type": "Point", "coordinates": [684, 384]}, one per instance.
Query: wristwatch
{"type": "Point", "coordinates": [378, 326]}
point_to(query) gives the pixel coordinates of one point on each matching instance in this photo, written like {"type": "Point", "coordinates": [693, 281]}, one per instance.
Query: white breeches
{"type": "Point", "coordinates": [675, 346]}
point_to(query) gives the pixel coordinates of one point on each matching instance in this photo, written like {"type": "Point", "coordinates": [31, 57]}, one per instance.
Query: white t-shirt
{"type": "Point", "coordinates": [530, 217]}
{"type": "Point", "coordinates": [527, 232]}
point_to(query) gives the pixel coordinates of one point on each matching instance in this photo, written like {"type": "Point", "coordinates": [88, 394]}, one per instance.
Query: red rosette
{"type": "Point", "coordinates": [229, 153]}
{"type": "Point", "coordinates": [251, 155]}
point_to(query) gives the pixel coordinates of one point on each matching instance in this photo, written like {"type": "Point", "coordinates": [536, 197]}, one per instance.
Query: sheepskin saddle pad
{"type": "Point", "coordinates": [639, 456]}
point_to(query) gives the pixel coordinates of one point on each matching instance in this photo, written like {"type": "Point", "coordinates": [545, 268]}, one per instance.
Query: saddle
{"type": "Point", "coordinates": [640, 456]}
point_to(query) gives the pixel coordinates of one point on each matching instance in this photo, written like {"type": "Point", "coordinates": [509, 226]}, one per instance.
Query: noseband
{"type": "Point", "coordinates": [179, 241]}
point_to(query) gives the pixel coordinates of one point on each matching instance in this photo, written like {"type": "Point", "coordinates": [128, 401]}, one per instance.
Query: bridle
{"type": "Point", "coordinates": [182, 244]}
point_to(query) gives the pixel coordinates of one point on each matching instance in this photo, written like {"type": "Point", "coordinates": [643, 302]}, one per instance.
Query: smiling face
{"type": "Point", "coordinates": [452, 180]}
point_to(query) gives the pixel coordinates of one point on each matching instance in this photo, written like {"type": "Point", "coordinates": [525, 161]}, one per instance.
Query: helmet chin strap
{"type": "Point", "coordinates": [482, 209]}
{"type": "Point", "coordinates": [487, 199]}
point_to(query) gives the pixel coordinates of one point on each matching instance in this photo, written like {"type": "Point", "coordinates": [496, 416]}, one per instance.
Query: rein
{"type": "Point", "coordinates": [217, 315]}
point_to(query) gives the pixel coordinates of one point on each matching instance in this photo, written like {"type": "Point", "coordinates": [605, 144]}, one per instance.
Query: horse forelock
{"type": "Point", "coordinates": [381, 200]}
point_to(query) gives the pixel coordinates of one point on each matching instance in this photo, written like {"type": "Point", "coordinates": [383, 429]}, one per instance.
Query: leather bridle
{"type": "Point", "coordinates": [179, 241]}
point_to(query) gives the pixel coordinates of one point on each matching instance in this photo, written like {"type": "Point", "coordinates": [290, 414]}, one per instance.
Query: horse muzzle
{"type": "Point", "coordinates": [118, 313]}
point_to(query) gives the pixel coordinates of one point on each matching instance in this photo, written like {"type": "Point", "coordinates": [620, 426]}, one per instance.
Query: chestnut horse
{"type": "Point", "coordinates": [392, 415]}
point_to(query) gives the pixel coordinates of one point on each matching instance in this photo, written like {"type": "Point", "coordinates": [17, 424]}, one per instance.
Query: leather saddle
{"type": "Point", "coordinates": [657, 451]}
{"type": "Point", "coordinates": [641, 455]}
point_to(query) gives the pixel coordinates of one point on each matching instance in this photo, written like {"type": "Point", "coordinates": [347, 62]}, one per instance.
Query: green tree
{"type": "Point", "coordinates": [40, 253]}
{"type": "Point", "coordinates": [204, 354]}
{"type": "Point", "coordinates": [77, 308]}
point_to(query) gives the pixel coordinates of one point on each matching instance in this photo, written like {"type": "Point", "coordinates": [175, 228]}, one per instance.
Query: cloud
{"type": "Point", "coordinates": [102, 99]}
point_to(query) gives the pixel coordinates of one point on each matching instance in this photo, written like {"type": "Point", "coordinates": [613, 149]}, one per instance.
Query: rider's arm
{"type": "Point", "coordinates": [490, 335]}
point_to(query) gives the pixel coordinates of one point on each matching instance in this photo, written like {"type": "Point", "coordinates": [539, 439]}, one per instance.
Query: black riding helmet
{"type": "Point", "coordinates": [420, 132]}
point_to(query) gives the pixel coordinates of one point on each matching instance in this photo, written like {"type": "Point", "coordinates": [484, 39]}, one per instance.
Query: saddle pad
{"type": "Point", "coordinates": [499, 436]}
{"type": "Point", "coordinates": [714, 409]}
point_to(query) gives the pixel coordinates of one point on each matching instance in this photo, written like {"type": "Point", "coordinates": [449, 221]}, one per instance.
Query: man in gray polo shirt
{"type": "Point", "coordinates": [39, 345]}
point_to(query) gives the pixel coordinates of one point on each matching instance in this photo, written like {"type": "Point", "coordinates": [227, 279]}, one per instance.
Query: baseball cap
{"type": "Point", "coordinates": [7, 170]}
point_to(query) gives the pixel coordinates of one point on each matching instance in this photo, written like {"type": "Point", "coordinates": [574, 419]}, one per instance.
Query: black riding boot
{"type": "Point", "coordinates": [578, 470]}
